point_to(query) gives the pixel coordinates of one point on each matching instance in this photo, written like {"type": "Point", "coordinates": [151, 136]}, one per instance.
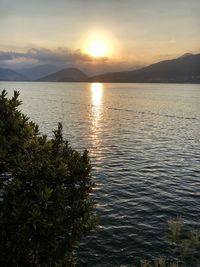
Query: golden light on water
{"type": "Point", "coordinates": [96, 123]}
{"type": "Point", "coordinates": [96, 90]}
{"type": "Point", "coordinates": [97, 93]}
{"type": "Point", "coordinates": [96, 100]}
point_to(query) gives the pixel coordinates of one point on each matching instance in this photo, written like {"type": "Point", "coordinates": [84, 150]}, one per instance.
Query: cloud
{"type": "Point", "coordinates": [60, 55]}
{"type": "Point", "coordinates": [4, 56]}
{"type": "Point", "coordinates": [60, 58]}
{"type": "Point", "coordinates": [47, 56]}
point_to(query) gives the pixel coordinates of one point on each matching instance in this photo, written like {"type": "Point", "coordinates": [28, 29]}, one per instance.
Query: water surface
{"type": "Point", "coordinates": [144, 145]}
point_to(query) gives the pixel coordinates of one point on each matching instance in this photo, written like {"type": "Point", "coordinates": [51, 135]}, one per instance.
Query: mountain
{"type": "Point", "coordinates": [39, 71]}
{"type": "Point", "coordinates": [185, 69]}
{"type": "Point", "coordinates": [66, 75]}
{"type": "Point", "coordinates": [186, 55]}
{"type": "Point", "coordinates": [11, 75]}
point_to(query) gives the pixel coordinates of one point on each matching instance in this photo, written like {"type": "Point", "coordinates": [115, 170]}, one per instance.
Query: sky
{"type": "Point", "coordinates": [135, 32]}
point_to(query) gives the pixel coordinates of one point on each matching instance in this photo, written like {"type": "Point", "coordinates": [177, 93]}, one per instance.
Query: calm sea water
{"type": "Point", "coordinates": [144, 142]}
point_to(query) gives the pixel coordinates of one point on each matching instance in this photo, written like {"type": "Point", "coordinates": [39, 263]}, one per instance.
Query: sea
{"type": "Point", "coordinates": [144, 145]}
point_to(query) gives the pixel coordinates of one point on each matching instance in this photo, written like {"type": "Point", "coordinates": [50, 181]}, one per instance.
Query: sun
{"type": "Point", "coordinates": [98, 49]}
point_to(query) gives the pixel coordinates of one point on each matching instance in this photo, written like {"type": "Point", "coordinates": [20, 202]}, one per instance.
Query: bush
{"type": "Point", "coordinates": [184, 246]}
{"type": "Point", "coordinates": [45, 205]}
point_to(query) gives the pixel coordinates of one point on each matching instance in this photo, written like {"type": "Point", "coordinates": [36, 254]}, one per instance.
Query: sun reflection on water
{"type": "Point", "coordinates": [96, 99]}
{"type": "Point", "coordinates": [97, 93]}
{"type": "Point", "coordinates": [96, 90]}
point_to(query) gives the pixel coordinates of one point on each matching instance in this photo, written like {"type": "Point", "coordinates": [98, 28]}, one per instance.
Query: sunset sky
{"type": "Point", "coordinates": [133, 31]}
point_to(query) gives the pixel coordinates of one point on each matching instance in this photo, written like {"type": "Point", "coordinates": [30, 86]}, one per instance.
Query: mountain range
{"type": "Point", "coordinates": [11, 75]}
{"type": "Point", "coordinates": [66, 75]}
{"type": "Point", "coordinates": [185, 69]}
{"type": "Point", "coordinates": [38, 71]}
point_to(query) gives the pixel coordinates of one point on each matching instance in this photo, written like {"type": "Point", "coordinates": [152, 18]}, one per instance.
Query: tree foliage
{"type": "Point", "coordinates": [45, 185]}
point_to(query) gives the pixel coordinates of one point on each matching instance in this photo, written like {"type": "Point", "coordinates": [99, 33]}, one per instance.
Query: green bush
{"type": "Point", "coordinates": [45, 185]}
{"type": "Point", "coordinates": [184, 244]}
{"type": "Point", "coordinates": [184, 247]}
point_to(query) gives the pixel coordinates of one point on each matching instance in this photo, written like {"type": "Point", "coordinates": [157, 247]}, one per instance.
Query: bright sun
{"type": "Point", "coordinates": [98, 49]}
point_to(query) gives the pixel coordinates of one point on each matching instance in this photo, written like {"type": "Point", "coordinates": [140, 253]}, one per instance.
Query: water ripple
{"type": "Point", "coordinates": [144, 146]}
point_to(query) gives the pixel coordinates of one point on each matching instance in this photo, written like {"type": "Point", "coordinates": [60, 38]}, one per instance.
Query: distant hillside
{"type": "Point", "coordinates": [66, 75]}
{"type": "Point", "coordinates": [11, 75]}
{"type": "Point", "coordinates": [37, 72]}
{"type": "Point", "coordinates": [185, 69]}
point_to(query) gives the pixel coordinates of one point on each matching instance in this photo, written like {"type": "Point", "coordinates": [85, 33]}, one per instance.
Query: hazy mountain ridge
{"type": "Point", "coordinates": [38, 71]}
{"type": "Point", "coordinates": [185, 69]}
{"type": "Point", "coordinates": [11, 75]}
{"type": "Point", "coordinates": [66, 75]}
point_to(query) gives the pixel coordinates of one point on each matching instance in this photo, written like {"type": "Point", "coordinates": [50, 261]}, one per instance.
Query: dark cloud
{"type": "Point", "coordinates": [44, 56]}
{"type": "Point", "coordinates": [60, 55]}
{"type": "Point", "coordinates": [60, 58]}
